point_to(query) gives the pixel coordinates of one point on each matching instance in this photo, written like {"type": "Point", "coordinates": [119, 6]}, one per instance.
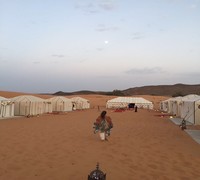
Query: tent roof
{"type": "Point", "coordinates": [28, 98]}
{"type": "Point", "coordinates": [174, 99]}
{"type": "Point", "coordinates": [170, 99]}
{"type": "Point", "coordinates": [75, 99]}
{"type": "Point", "coordinates": [62, 98]}
{"type": "Point", "coordinates": [192, 99]}
{"type": "Point", "coordinates": [3, 98]}
{"type": "Point", "coordinates": [129, 100]}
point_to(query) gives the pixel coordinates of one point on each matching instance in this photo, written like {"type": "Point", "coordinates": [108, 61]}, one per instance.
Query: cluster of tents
{"type": "Point", "coordinates": [28, 105]}
{"type": "Point", "coordinates": [186, 107]}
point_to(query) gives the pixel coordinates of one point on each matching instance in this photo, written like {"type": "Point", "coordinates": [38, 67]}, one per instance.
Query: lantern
{"type": "Point", "coordinates": [97, 174]}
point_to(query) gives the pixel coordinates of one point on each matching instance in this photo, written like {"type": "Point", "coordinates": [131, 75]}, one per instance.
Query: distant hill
{"type": "Point", "coordinates": [164, 90]}
{"type": "Point", "coordinates": [61, 93]}
{"type": "Point", "coordinates": [114, 93]}
{"type": "Point", "coordinates": [157, 90]}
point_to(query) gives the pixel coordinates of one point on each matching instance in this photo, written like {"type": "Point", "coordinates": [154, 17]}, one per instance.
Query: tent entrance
{"type": "Point", "coordinates": [131, 105]}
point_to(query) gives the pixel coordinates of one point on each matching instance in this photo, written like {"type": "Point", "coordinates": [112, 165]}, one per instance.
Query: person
{"type": "Point", "coordinates": [136, 108]}
{"type": "Point", "coordinates": [103, 125]}
{"type": "Point", "coordinates": [73, 107]}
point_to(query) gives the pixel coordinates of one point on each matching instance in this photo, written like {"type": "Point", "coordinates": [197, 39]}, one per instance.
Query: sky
{"type": "Point", "coordinates": [99, 45]}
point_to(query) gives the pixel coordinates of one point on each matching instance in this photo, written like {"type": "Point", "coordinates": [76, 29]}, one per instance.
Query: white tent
{"type": "Point", "coordinates": [28, 105]}
{"type": "Point", "coordinates": [123, 102]}
{"type": "Point", "coordinates": [6, 107]}
{"type": "Point", "coordinates": [47, 106]}
{"type": "Point", "coordinates": [61, 104]}
{"type": "Point", "coordinates": [165, 105]}
{"type": "Point", "coordinates": [80, 103]}
{"type": "Point", "coordinates": [172, 105]}
{"type": "Point", "coordinates": [190, 110]}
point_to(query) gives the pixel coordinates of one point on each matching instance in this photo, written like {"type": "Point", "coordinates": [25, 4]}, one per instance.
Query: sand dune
{"type": "Point", "coordinates": [54, 147]}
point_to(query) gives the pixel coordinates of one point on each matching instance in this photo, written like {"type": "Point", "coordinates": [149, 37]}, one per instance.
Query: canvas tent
{"type": "Point", "coordinates": [6, 107]}
{"type": "Point", "coordinates": [47, 106]}
{"type": "Point", "coordinates": [80, 103]}
{"type": "Point", "coordinates": [26, 105]}
{"type": "Point", "coordinates": [190, 110]}
{"type": "Point", "coordinates": [123, 102]}
{"type": "Point", "coordinates": [172, 105]}
{"type": "Point", "coordinates": [165, 105]}
{"type": "Point", "coordinates": [61, 104]}
{"type": "Point", "coordinates": [186, 98]}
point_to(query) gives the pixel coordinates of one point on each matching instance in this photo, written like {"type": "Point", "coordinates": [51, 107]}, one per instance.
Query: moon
{"type": "Point", "coordinates": [106, 42]}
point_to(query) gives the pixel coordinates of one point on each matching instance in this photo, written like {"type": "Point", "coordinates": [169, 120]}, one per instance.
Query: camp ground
{"type": "Point", "coordinates": [123, 102]}
{"type": "Point", "coordinates": [138, 141]}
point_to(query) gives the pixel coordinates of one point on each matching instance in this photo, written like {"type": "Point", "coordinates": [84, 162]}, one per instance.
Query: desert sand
{"type": "Point", "coordinates": [63, 146]}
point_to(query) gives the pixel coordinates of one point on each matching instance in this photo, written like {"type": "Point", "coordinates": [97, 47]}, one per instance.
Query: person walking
{"type": "Point", "coordinates": [103, 125]}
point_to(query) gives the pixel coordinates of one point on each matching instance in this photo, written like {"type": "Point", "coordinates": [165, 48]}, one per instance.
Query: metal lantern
{"type": "Point", "coordinates": [97, 174]}
{"type": "Point", "coordinates": [183, 124]}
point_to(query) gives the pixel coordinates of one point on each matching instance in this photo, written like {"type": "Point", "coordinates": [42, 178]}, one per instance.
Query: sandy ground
{"type": "Point", "coordinates": [57, 147]}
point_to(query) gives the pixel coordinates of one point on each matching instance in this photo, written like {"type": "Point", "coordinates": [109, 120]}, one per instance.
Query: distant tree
{"type": "Point", "coordinates": [118, 93]}
{"type": "Point", "coordinates": [176, 94]}
{"type": "Point", "coordinates": [115, 93]}
{"type": "Point", "coordinates": [58, 93]}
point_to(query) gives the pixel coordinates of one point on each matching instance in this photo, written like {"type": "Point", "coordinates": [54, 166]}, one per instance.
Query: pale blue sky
{"type": "Point", "coordinates": [99, 45]}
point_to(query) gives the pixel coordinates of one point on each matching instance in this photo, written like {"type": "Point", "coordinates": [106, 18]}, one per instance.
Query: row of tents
{"type": "Point", "coordinates": [26, 105]}
{"type": "Point", "coordinates": [186, 107]}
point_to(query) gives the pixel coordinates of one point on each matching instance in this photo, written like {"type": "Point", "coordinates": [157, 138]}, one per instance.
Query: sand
{"type": "Point", "coordinates": [142, 145]}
